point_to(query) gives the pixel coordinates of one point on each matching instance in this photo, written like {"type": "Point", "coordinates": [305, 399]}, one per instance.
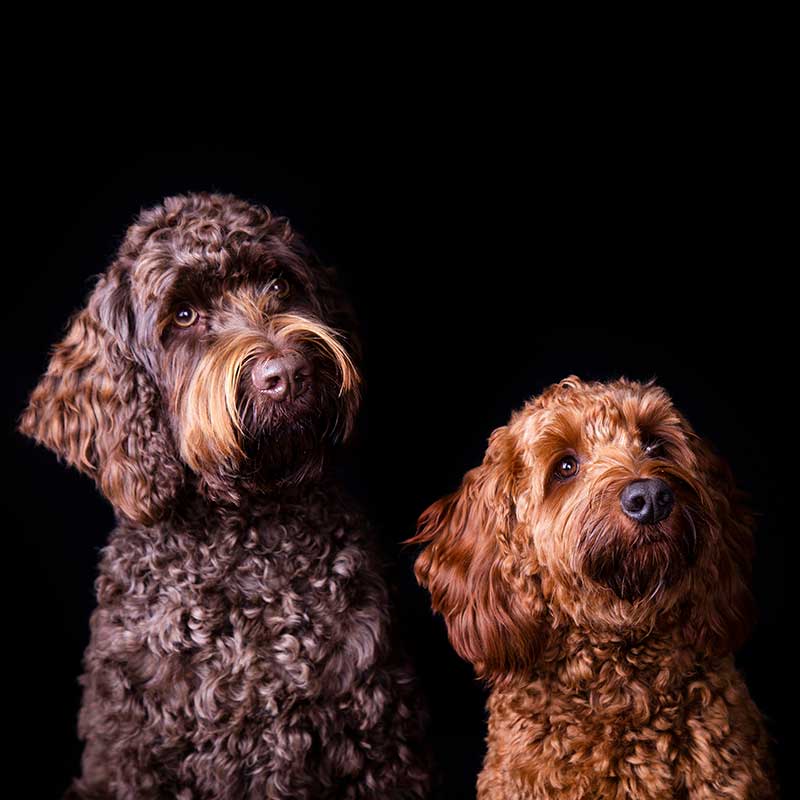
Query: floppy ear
{"type": "Point", "coordinates": [492, 621]}
{"type": "Point", "coordinates": [724, 611]}
{"type": "Point", "coordinates": [96, 408]}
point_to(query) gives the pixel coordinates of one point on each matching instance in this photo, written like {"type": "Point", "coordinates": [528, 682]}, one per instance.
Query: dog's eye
{"type": "Point", "coordinates": [185, 316]}
{"type": "Point", "coordinates": [653, 448]}
{"type": "Point", "coordinates": [567, 467]}
{"type": "Point", "coordinates": [279, 288]}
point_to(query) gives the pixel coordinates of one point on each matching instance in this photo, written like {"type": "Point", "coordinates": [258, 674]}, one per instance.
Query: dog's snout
{"type": "Point", "coordinates": [647, 501]}
{"type": "Point", "coordinates": [281, 377]}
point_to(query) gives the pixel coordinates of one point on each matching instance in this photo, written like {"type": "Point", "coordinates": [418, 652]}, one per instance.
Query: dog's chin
{"type": "Point", "coordinates": [261, 413]}
{"type": "Point", "coordinates": [638, 561]}
{"type": "Point", "coordinates": [284, 441]}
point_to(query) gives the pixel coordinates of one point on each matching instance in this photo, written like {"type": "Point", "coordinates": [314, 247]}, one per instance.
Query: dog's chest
{"type": "Point", "coordinates": [252, 618]}
{"type": "Point", "coordinates": [618, 736]}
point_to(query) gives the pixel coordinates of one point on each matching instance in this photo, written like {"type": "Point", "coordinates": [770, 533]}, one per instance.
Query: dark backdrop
{"type": "Point", "coordinates": [480, 274]}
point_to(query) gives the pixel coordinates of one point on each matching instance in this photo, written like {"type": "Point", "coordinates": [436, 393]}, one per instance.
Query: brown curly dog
{"type": "Point", "coordinates": [594, 569]}
{"type": "Point", "coordinates": [240, 647]}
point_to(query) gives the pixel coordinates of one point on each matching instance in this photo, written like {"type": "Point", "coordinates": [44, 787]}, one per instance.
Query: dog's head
{"type": "Point", "coordinates": [597, 506]}
{"type": "Point", "coordinates": [212, 349]}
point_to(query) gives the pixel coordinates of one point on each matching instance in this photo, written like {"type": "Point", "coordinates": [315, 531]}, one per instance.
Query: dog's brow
{"type": "Point", "coordinates": [558, 433]}
{"type": "Point", "coordinates": [191, 283]}
{"type": "Point", "coordinates": [655, 420]}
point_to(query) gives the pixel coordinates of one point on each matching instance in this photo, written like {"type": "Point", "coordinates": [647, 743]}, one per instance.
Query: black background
{"type": "Point", "coordinates": [481, 270]}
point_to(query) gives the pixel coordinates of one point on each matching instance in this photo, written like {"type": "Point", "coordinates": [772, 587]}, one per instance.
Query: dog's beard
{"type": "Point", "coordinates": [286, 442]}
{"type": "Point", "coordinates": [289, 454]}
{"type": "Point", "coordinates": [233, 435]}
{"type": "Point", "coordinates": [637, 561]}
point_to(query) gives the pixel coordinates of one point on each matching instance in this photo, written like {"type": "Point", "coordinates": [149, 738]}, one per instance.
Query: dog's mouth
{"type": "Point", "coordinates": [638, 560]}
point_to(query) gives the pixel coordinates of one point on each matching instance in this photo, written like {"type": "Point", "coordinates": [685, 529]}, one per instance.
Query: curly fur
{"type": "Point", "coordinates": [241, 645]}
{"type": "Point", "coordinates": [607, 643]}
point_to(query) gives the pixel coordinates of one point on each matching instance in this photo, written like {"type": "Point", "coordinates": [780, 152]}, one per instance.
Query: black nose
{"type": "Point", "coordinates": [647, 501]}
{"type": "Point", "coordinates": [280, 377]}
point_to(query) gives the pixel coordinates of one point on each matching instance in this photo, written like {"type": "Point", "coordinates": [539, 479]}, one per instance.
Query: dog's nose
{"type": "Point", "coordinates": [647, 501]}
{"type": "Point", "coordinates": [280, 377]}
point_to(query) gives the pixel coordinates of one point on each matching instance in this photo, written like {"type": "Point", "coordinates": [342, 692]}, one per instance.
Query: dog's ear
{"type": "Point", "coordinates": [723, 611]}
{"type": "Point", "coordinates": [469, 573]}
{"type": "Point", "coordinates": [96, 408]}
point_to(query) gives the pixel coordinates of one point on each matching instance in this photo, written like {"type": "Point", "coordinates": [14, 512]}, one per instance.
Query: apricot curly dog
{"type": "Point", "coordinates": [594, 569]}
{"type": "Point", "coordinates": [241, 645]}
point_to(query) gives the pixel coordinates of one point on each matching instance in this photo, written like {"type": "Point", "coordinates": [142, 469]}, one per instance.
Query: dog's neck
{"type": "Point", "coordinates": [578, 660]}
{"type": "Point", "coordinates": [237, 503]}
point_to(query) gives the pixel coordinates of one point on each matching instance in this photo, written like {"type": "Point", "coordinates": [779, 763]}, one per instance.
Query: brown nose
{"type": "Point", "coordinates": [280, 377]}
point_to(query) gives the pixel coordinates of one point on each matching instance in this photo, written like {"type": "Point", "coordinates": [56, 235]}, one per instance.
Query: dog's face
{"type": "Point", "coordinates": [253, 373]}
{"type": "Point", "coordinates": [611, 490]}
{"type": "Point", "coordinates": [597, 506]}
{"type": "Point", "coordinates": [215, 343]}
